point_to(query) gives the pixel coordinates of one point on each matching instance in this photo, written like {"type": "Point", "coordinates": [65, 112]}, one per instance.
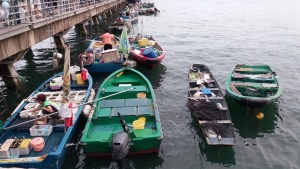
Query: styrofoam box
{"type": "Point", "coordinates": [41, 130]}
{"type": "Point", "coordinates": [25, 147]}
{"type": "Point", "coordinates": [4, 150]}
{"type": "Point", "coordinates": [110, 55]}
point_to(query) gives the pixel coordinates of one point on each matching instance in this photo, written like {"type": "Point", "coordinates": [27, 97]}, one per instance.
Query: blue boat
{"type": "Point", "coordinates": [97, 60]}
{"type": "Point", "coordinates": [21, 127]}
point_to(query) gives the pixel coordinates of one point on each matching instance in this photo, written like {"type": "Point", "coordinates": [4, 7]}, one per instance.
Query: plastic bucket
{"type": "Point", "coordinates": [142, 118]}
{"type": "Point", "coordinates": [79, 79]}
{"type": "Point", "coordinates": [150, 53]}
{"type": "Point", "coordinates": [37, 144]}
{"type": "Point", "coordinates": [138, 124]}
{"type": "Point", "coordinates": [141, 95]}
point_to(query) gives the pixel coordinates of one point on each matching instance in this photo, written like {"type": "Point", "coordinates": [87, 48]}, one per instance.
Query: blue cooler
{"type": "Point", "coordinates": [150, 53]}
{"type": "Point", "coordinates": [125, 17]}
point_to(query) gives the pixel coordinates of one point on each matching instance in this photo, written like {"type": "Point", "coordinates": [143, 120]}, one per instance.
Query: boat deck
{"type": "Point", "coordinates": [208, 105]}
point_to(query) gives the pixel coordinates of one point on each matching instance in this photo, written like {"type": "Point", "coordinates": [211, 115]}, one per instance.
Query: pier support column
{"type": "Point", "coordinates": [104, 17]}
{"type": "Point", "coordinates": [95, 20]}
{"type": "Point", "coordinates": [111, 14]}
{"type": "Point", "coordinates": [81, 28]}
{"type": "Point", "coordinates": [8, 72]}
{"type": "Point", "coordinates": [59, 42]}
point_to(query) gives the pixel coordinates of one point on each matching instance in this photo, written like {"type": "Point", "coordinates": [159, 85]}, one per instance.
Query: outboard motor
{"type": "Point", "coordinates": [121, 142]}
{"type": "Point", "coordinates": [120, 146]}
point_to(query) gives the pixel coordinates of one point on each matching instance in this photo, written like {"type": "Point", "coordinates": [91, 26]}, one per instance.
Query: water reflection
{"type": "Point", "coordinates": [247, 125]}
{"type": "Point", "coordinates": [129, 162]}
{"type": "Point", "coordinates": [155, 75]}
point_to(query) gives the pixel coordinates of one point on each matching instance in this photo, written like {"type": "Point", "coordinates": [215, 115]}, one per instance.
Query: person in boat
{"type": "Point", "coordinates": [127, 10]}
{"type": "Point", "coordinates": [47, 107]}
{"type": "Point", "coordinates": [119, 19]}
{"type": "Point", "coordinates": [107, 39]}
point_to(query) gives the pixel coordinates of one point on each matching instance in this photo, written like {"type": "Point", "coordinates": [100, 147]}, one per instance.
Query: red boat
{"type": "Point", "coordinates": [147, 51]}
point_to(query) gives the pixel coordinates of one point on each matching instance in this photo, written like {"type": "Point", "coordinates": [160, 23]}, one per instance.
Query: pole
{"type": "Point", "coordinates": [72, 107]}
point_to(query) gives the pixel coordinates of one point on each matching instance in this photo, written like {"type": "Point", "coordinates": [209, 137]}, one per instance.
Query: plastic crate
{"type": "Point", "coordinates": [41, 130]}
{"type": "Point", "coordinates": [143, 41]}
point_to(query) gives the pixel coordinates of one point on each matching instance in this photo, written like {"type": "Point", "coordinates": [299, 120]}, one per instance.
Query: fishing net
{"type": "Point", "coordinates": [207, 111]}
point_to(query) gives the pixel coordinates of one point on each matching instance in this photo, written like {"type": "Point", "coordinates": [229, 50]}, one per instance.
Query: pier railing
{"type": "Point", "coordinates": [16, 12]}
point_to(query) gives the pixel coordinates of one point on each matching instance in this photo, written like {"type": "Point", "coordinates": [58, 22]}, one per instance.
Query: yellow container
{"type": "Point", "coordinates": [142, 118]}
{"type": "Point", "coordinates": [143, 41]}
{"type": "Point", "coordinates": [141, 95]}
{"type": "Point", "coordinates": [138, 124]}
{"type": "Point", "coordinates": [79, 79]}
{"type": "Point", "coordinates": [151, 42]}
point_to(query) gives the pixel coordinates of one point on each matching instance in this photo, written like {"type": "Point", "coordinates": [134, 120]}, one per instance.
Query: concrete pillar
{"type": "Point", "coordinates": [111, 14]}
{"type": "Point", "coordinates": [95, 20]}
{"type": "Point", "coordinates": [104, 17]}
{"type": "Point", "coordinates": [8, 72]}
{"type": "Point", "coordinates": [59, 42]}
{"type": "Point", "coordinates": [81, 28]}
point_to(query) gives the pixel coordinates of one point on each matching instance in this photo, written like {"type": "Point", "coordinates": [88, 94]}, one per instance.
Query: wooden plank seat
{"type": "Point", "coordinates": [123, 111]}
{"type": "Point", "coordinates": [137, 102]}
{"type": "Point", "coordinates": [113, 103]}
{"type": "Point", "coordinates": [145, 110]}
{"type": "Point", "coordinates": [115, 89]}
{"type": "Point", "coordinates": [234, 89]}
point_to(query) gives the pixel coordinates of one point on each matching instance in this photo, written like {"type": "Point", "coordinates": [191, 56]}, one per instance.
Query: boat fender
{"type": "Point", "coordinates": [120, 146]}
{"type": "Point", "coordinates": [87, 108]}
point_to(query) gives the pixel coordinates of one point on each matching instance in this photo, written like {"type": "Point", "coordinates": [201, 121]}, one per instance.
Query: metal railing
{"type": "Point", "coordinates": [15, 12]}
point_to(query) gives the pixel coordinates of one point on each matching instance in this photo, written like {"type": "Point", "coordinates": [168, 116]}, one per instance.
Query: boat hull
{"type": "Point", "coordinates": [47, 157]}
{"type": "Point", "coordinates": [135, 52]}
{"type": "Point", "coordinates": [208, 105]}
{"type": "Point", "coordinates": [253, 85]}
{"type": "Point", "coordinates": [121, 95]}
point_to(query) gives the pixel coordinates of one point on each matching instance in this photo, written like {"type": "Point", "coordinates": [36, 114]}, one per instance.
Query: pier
{"type": "Point", "coordinates": [25, 23]}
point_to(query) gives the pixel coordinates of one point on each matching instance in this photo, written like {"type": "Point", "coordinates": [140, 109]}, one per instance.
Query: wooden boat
{"type": "Point", "coordinates": [133, 17]}
{"type": "Point", "coordinates": [147, 8]}
{"type": "Point", "coordinates": [253, 85]}
{"type": "Point", "coordinates": [18, 130]}
{"type": "Point", "coordinates": [117, 27]}
{"type": "Point", "coordinates": [126, 119]}
{"type": "Point", "coordinates": [207, 103]}
{"type": "Point", "coordinates": [97, 60]}
{"type": "Point", "coordinates": [147, 51]}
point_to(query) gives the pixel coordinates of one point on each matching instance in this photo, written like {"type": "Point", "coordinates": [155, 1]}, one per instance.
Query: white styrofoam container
{"type": "Point", "coordinates": [41, 130]}
{"type": "Point", "coordinates": [4, 150]}
{"type": "Point", "coordinates": [25, 147]}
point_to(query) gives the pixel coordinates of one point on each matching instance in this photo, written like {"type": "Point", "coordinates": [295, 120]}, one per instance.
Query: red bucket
{"type": "Point", "coordinates": [37, 144]}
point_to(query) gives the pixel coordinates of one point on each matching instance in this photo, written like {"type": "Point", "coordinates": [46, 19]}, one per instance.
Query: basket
{"type": "Point", "coordinates": [41, 130]}
{"type": "Point", "coordinates": [138, 124]}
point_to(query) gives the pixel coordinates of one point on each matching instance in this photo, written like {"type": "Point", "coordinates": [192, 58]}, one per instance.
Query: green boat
{"type": "Point", "coordinates": [253, 85]}
{"type": "Point", "coordinates": [126, 117]}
